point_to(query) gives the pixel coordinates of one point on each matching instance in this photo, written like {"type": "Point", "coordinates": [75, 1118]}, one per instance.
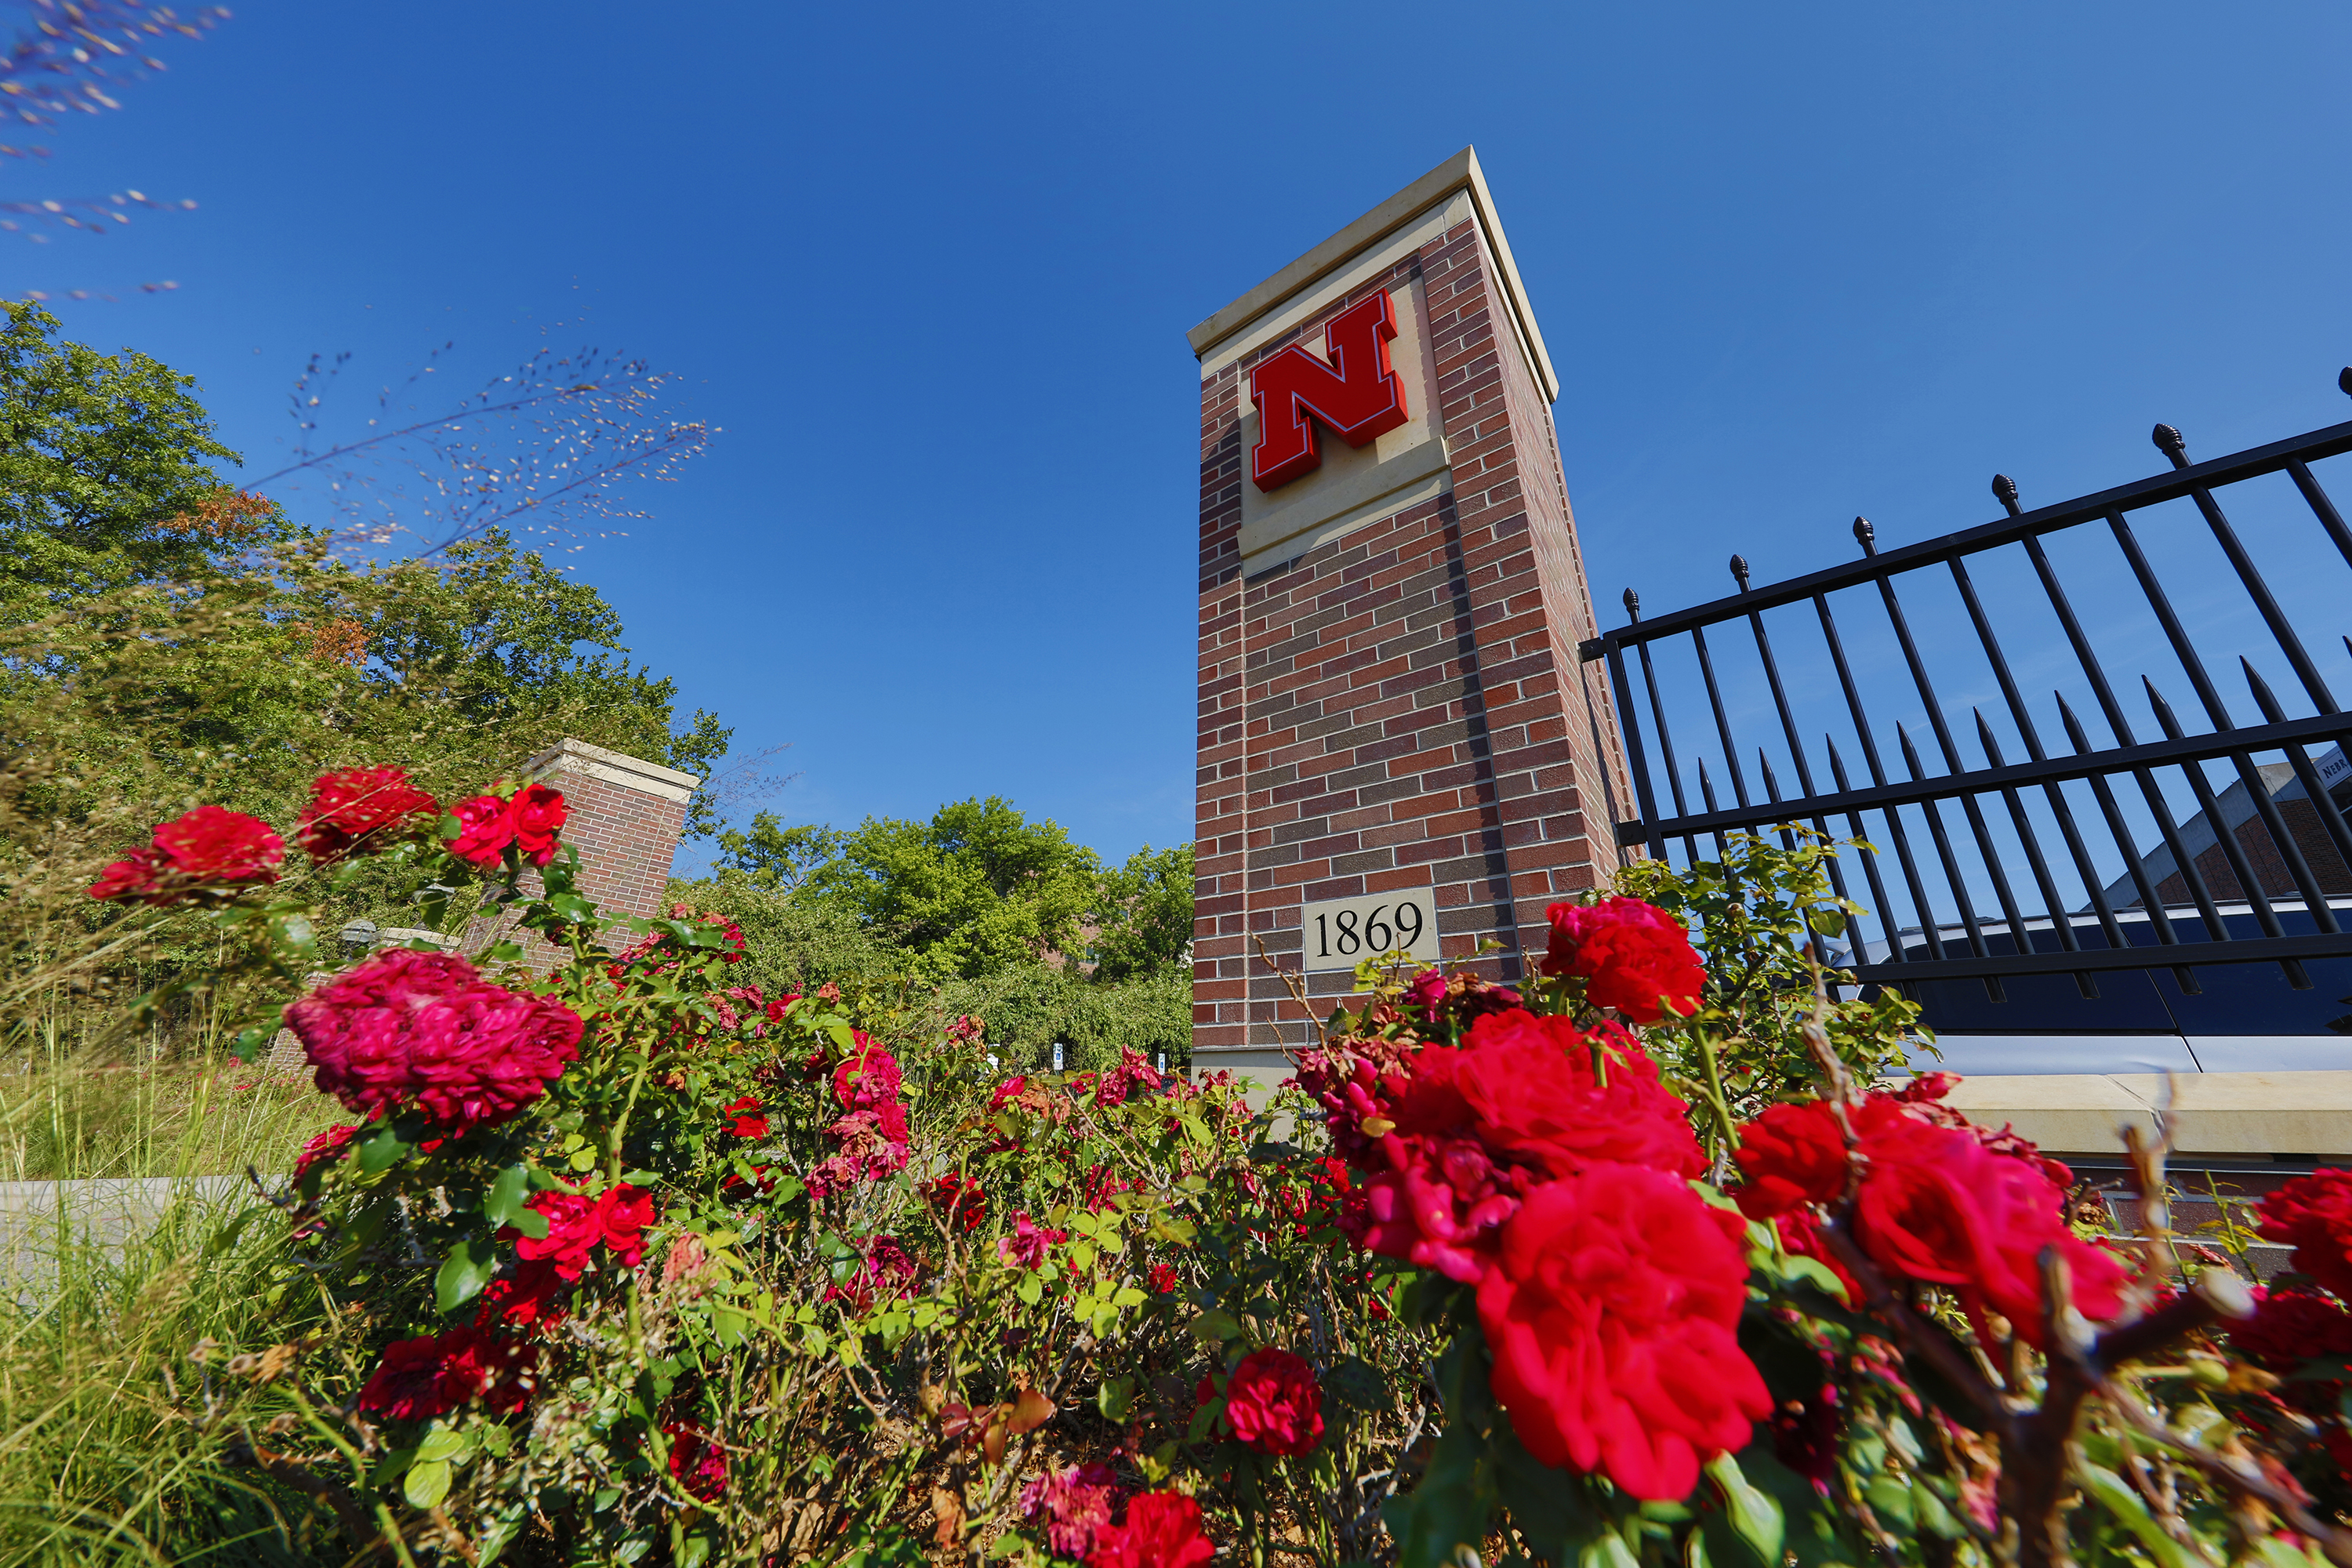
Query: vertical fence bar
{"type": "Point", "coordinates": [1885, 908]}
{"type": "Point", "coordinates": [2170, 442]}
{"type": "Point", "coordinates": [1635, 762]}
{"type": "Point", "coordinates": [1722, 724]}
{"type": "Point", "coordinates": [1788, 723]}
{"type": "Point", "coordinates": [1968, 807]}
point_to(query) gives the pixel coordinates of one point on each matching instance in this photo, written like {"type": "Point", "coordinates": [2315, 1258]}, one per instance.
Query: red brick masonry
{"type": "Point", "coordinates": [1401, 707]}
{"type": "Point", "coordinates": [625, 818]}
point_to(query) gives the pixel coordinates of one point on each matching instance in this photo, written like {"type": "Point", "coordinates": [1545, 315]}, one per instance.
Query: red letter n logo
{"type": "Point", "coordinates": [1356, 395]}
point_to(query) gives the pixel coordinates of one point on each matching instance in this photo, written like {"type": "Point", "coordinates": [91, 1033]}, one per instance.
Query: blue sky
{"type": "Point", "coordinates": [929, 268]}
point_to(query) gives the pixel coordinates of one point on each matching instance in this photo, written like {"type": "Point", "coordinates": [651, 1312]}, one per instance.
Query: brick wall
{"type": "Point", "coordinates": [2263, 858]}
{"type": "Point", "coordinates": [625, 817]}
{"type": "Point", "coordinates": [1400, 707]}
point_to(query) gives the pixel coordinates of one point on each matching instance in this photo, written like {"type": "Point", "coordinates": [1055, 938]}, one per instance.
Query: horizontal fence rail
{"type": "Point", "coordinates": [2021, 844]}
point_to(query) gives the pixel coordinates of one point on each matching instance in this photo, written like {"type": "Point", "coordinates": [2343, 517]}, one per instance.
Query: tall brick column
{"type": "Point", "coordinates": [1391, 700]}
{"type": "Point", "coordinates": [625, 818]}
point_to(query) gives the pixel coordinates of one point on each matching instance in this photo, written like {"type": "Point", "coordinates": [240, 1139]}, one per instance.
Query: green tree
{"type": "Point", "coordinates": [976, 888]}
{"type": "Point", "coordinates": [98, 455]}
{"type": "Point", "coordinates": [773, 857]}
{"type": "Point", "coordinates": [1144, 914]}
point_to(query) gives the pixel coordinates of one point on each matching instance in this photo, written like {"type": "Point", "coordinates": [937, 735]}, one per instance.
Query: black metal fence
{"type": "Point", "coordinates": [2052, 850]}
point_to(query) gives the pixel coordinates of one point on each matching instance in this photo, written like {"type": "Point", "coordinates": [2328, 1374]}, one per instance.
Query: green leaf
{"type": "Point", "coordinates": [1358, 1383]}
{"type": "Point", "coordinates": [1216, 1326]}
{"type": "Point", "coordinates": [385, 1149]}
{"type": "Point", "coordinates": [1755, 1516]}
{"type": "Point", "coordinates": [505, 1198]}
{"type": "Point", "coordinates": [1607, 1550]}
{"type": "Point", "coordinates": [469, 1267]}
{"type": "Point", "coordinates": [426, 1483]}
{"type": "Point", "coordinates": [572, 907]}
{"type": "Point", "coordinates": [2117, 1496]}
{"type": "Point", "coordinates": [441, 1443]}
{"type": "Point", "coordinates": [1115, 1396]}
{"type": "Point", "coordinates": [1552, 1510]}
{"type": "Point", "coordinates": [1448, 1511]}
{"type": "Point", "coordinates": [1829, 923]}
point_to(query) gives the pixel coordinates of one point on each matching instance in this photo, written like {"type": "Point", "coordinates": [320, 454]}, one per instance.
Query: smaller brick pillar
{"type": "Point", "coordinates": [625, 818]}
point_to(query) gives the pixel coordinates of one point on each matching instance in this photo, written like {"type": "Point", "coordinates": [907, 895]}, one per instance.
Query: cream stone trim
{"type": "Point", "coordinates": [572, 756]}
{"type": "Point", "coordinates": [1459, 174]}
{"type": "Point", "coordinates": [2251, 1113]}
{"type": "Point", "coordinates": [1416, 475]}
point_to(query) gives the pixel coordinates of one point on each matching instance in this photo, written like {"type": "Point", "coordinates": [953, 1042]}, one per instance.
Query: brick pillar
{"type": "Point", "coordinates": [1390, 702]}
{"type": "Point", "coordinates": [625, 818]}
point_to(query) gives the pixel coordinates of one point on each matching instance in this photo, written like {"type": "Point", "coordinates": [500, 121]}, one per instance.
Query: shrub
{"type": "Point", "coordinates": [760, 1277]}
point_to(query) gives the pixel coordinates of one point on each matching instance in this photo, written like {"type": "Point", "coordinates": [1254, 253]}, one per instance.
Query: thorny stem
{"type": "Point", "coordinates": [1714, 1100]}
{"type": "Point", "coordinates": [1291, 982]}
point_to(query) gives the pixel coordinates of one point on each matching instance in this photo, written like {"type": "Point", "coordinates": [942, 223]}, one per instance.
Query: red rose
{"type": "Point", "coordinates": [750, 1123]}
{"type": "Point", "coordinates": [1272, 1402]}
{"type": "Point", "coordinates": [2290, 1328]}
{"type": "Point", "coordinates": [539, 816]}
{"type": "Point", "coordinates": [1531, 1088]}
{"type": "Point", "coordinates": [212, 843]}
{"type": "Point", "coordinates": [360, 808]}
{"type": "Point", "coordinates": [622, 1214]}
{"type": "Point", "coordinates": [2313, 1214]}
{"type": "Point", "coordinates": [1073, 1504]}
{"type": "Point", "coordinates": [1612, 1313]}
{"type": "Point", "coordinates": [528, 1298]}
{"type": "Point", "coordinates": [132, 876]}
{"type": "Point", "coordinates": [326, 1148]}
{"type": "Point", "coordinates": [1801, 1233]}
{"type": "Point", "coordinates": [208, 850]}
{"type": "Point", "coordinates": [573, 1229]}
{"type": "Point", "coordinates": [1940, 1201]}
{"type": "Point", "coordinates": [1426, 995]}
{"type": "Point", "coordinates": [868, 1080]}
{"type": "Point", "coordinates": [485, 828]}
{"type": "Point", "coordinates": [1163, 1531]}
{"type": "Point", "coordinates": [424, 1028]}
{"type": "Point", "coordinates": [1631, 956]}
{"type": "Point", "coordinates": [885, 1271]}
{"type": "Point", "coordinates": [422, 1378]}
{"type": "Point", "coordinates": [1163, 1280]}
{"type": "Point", "coordinates": [696, 1461]}
{"type": "Point", "coordinates": [476, 1365]}
{"type": "Point", "coordinates": [406, 1384]}
{"type": "Point", "coordinates": [1937, 1206]}
{"type": "Point", "coordinates": [959, 1198]}
{"type": "Point", "coordinates": [1441, 1205]}
{"type": "Point", "coordinates": [1792, 1154]}
{"type": "Point", "coordinates": [1027, 1245]}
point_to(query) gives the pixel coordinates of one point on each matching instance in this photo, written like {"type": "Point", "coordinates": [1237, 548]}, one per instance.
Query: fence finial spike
{"type": "Point", "coordinates": [1865, 535]}
{"type": "Point", "coordinates": [2264, 697]}
{"type": "Point", "coordinates": [1633, 603]}
{"type": "Point", "coordinates": [2344, 381]}
{"type": "Point", "coordinates": [1739, 572]}
{"type": "Point", "coordinates": [2074, 725]}
{"type": "Point", "coordinates": [2004, 491]}
{"type": "Point", "coordinates": [2163, 709]}
{"type": "Point", "coordinates": [1986, 739]}
{"type": "Point", "coordinates": [2172, 443]}
{"type": "Point", "coordinates": [1837, 764]}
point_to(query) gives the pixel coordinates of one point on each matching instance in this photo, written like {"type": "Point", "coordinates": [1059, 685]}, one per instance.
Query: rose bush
{"type": "Point", "coordinates": [1619, 1264]}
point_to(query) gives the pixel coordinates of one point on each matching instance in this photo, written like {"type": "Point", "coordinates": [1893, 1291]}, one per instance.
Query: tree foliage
{"type": "Point", "coordinates": [99, 454]}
